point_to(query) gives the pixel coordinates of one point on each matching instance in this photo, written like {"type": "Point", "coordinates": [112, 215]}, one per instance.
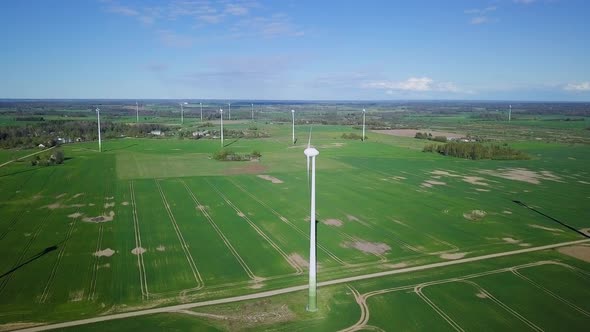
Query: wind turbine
{"type": "Point", "coordinates": [293, 115]}
{"type": "Point", "coordinates": [229, 114]}
{"type": "Point", "coordinates": [137, 112]}
{"type": "Point", "coordinates": [311, 152]}
{"type": "Point", "coordinates": [181, 114]}
{"type": "Point", "coordinates": [364, 112]}
{"type": "Point", "coordinates": [509, 113]}
{"type": "Point", "coordinates": [201, 104]}
{"type": "Point", "coordinates": [252, 112]}
{"type": "Point", "coordinates": [98, 118]}
{"type": "Point", "coordinates": [221, 118]}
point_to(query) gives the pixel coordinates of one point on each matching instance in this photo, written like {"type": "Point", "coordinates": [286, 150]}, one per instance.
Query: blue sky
{"type": "Point", "coordinates": [256, 49]}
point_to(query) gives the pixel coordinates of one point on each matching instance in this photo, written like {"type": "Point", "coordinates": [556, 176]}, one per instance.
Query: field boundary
{"type": "Point", "coordinates": [140, 264]}
{"type": "Point", "coordinates": [292, 289]}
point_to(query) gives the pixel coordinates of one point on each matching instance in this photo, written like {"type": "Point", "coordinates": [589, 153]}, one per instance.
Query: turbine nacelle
{"type": "Point", "coordinates": [311, 152]}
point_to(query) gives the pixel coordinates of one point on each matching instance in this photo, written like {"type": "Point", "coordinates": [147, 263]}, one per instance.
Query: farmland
{"type": "Point", "coordinates": [151, 223]}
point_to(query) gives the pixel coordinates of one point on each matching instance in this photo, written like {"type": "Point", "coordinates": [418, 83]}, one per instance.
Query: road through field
{"type": "Point", "coordinates": [187, 306]}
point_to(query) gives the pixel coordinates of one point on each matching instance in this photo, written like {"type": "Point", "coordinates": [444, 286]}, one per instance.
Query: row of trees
{"type": "Point", "coordinates": [48, 132]}
{"type": "Point", "coordinates": [54, 157]}
{"type": "Point", "coordinates": [229, 155]}
{"type": "Point", "coordinates": [476, 151]}
{"type": "Point", "coordinates": [429, 136]}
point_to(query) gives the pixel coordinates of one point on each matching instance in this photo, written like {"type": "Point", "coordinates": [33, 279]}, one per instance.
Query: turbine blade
{"type": "Point", "coordinates": [309, 145]}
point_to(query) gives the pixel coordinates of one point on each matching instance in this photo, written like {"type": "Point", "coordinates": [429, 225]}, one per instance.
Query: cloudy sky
{"type": "Point", "coordinates": [296, 49]}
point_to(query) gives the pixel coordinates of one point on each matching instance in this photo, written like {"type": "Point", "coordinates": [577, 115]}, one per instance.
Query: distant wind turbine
{"type": "Point", "coordinates": [137, 112]}
{"type": "Point", "coordinates": [509, 113]}
{"type": "Point", "coordinates": [181, 114]}
{"type": "Point", "coordinates": [364, 112]}
{"type": "Point", "coordinates": [311, 152]}
{"type": "Point", "coordinates": [201, 104]}
{"type": "Point", "coordinates": [229, 114]}
{"type": "Point", "coordinates": [221, 118]}
{"type": "Point", "coordinates": [293, 115]}
{"type": "Point", "coordinates": [252, 112]}
{"type": "Point", "coordinates": [99, 140]}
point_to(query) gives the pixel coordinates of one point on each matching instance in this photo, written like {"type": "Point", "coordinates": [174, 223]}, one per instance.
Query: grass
{"type": "Point", "coordinates": [212, 229]}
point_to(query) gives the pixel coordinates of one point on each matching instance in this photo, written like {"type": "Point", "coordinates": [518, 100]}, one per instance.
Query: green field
{"type": "Point", "coordinates": [156, 222]}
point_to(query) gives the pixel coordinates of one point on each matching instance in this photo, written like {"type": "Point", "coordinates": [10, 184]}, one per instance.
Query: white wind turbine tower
{"type": "Point", "coordinates": [364, 112]}
{"type": "Point", "coordinates": [293, 115]}
{"type": "Point", "coordinates": [311, 152]}
{"type": "Point", "coordinates": [137, 112]}
{"type": "Point", "coordinates": [252, 112]}
{"type": "Point", "coordinates": [229, 114]}
{"type": "Point", "coordinates": [221, 118]}
{"type": "Point", "coordinates": [509, 113]}
{"type": "Point", "coordinates": [201, 104]}
{"type": "Point", "coordinates": [99, 140]}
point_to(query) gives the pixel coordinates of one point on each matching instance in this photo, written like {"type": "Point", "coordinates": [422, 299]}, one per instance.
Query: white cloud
{"type": "Point", "coordinates": [413, 84]}
{"type": "Point", "coordinates": [122, 10]}
{"type": "Point", "coordinates": [477, 11]}
{"type": "Point", "coordinates": [479, 20]}
{"type": "Point", "coordinates": [578, 87]}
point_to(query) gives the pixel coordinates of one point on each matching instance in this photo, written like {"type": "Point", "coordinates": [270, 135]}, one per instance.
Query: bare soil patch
{"type": "Point", "coordinates": [108, 252]}
{"type": "Point", "coordinates": [584, 182]}
{"type": "Point", "coordinates": [550, 229]}
{"type": "Point", "coordinates": [109, 205]}
{"type": "Point", "coordinates": [474, 215]}
{"type": "Point", "coordinates": [480, 189]}
{"type": "Point", "coordinates": [332, 222]}
{"type": "Point", "coordinates": [138, 251]}
{"type": "Point", "coordinates": [60, 196]}
{"type": "Point", "coordinates": [412, 133]}
{"type": "Point", "coordinates": [76, 296]}
{"type": "Point", "coordinates": [241, 214]}
{"type": "Point", "coordinates": [579, 252]}
{"type": "Point", "coordinates": [109, 198]}
{"type": "Point", "coordinates": [455, 255]}
{"type": "Point", "coordinates": [445, 173]}
{"type": "Point", "coordinates": [125, 203]}
{"type": "Point", "coordinates": [99, 219]}
{"type": "Point", "coordinates": [18, 325]}
{"type": "Point", "coordinates": [507, 212]}
{"type": "Point", "coordinates": [375, 248]}
{"type": "Point", "coordinates": [161, 248]}
{"type": "Point", "coordinates": [585, 231]}
{"type": "Point", "coordinates": [510, 240]}
{"type": "Point", "coordinates": [269, 178]}
{"type": "Point", "coordinates": [77, 195]}
{"type": "Point", "coordinates": [75, 215]}
{"type": "Point", "coordinates": [430, 183]}
{"type": "Point", "coordinates": [299, 260]}
{"type": "Point", "coordinates": [481, 295]}
{"type": "Point", "coordinates": [53, 206]}
{"type": "Point", "coordinates": [476, 180]}
{"type": "Point", "coordinates": [523, 174]}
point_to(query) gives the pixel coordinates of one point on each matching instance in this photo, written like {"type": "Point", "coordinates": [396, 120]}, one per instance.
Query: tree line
{"type": "Point", "coordinates": [476, 151]}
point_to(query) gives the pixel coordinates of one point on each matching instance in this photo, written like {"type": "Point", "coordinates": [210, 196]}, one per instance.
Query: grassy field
{"type": "Point", "coordinates": [153, 222]}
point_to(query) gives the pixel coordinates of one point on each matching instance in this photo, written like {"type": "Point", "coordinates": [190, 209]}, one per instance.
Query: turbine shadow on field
{"type": "Point", "coordinates": [551, 218]}
{"type": "Point", "coordinates": [232, 142]}
{"type": "Point", "coordinates": [31, 259]}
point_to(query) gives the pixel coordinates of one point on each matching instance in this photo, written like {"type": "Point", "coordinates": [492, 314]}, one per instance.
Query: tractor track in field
{"type": "Point", "coordinates": [290, 261]}
{"type": "Point", "coordinates": [183, 244]}
{"type": "Point", "coordinates": [140, 264]}
{"type": "Point", "coordinates": [292, 289]}
{"type": "Point", "coordinates": [417, 288]}
{"type": "Point", "coordinates": [94, 268]}
{"type": "Point", "coordinates": [225, 240]}
{"type": "Point", "coordinates": [41, 225]}
{"type": "Point", "coordinates": [550, 293]}
{"type": "Point", "coordinates": [62, 250]}
{"type": "Point", "coordinates": [288, 222]}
